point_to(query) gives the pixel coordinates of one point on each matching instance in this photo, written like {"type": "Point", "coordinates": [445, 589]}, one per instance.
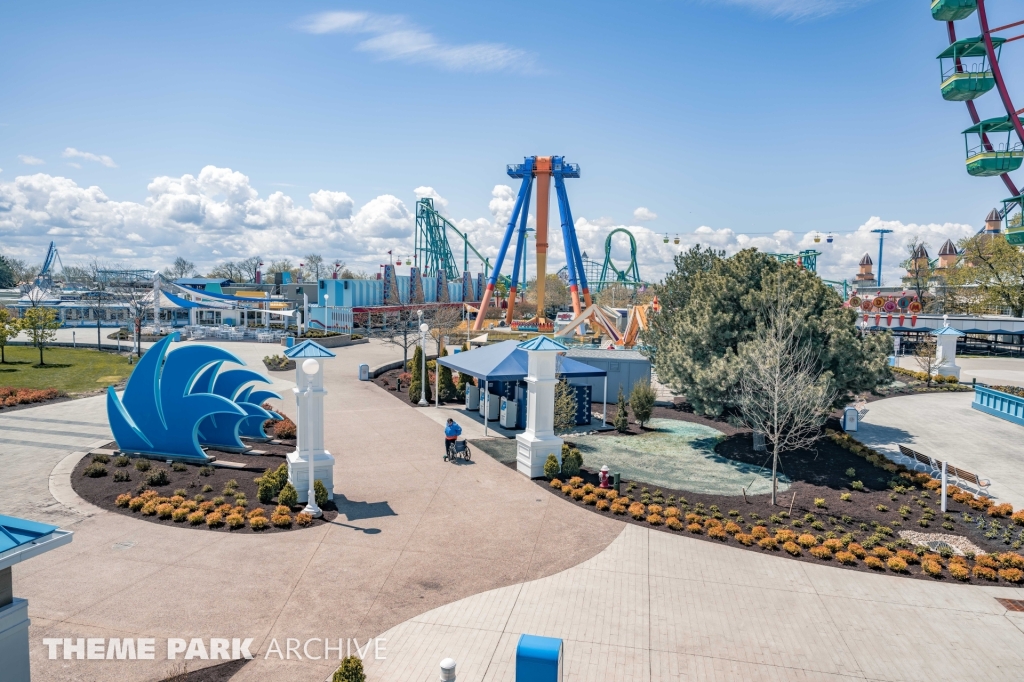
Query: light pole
{"type": "Point", "coordinates": [423, 351]}
{"type": "Point", "coordinates": [326, 298]}
{"type": "Point", "coordinates": [881, 241]}
{"type": "Point", "coordinates": [310, 367]}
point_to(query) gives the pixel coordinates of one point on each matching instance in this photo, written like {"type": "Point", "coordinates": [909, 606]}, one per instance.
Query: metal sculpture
{"type": "Point", "coordinates": [159, 415]}
{"type": "Point", "coordinates": [223, 431]}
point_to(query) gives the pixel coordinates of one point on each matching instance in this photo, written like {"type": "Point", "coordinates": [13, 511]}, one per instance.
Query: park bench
{"type": "Point", "coordinates": [963, 476]}
{"type": "Point", "coordinates": [934, 467]}
{"type": "Point", "coordinates": [918, 460]}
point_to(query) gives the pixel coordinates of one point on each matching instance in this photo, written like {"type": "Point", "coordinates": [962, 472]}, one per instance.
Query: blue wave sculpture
{"type": "Point", "coordinates": [222, 431]}
{"type": "Point", "coordinates": [252, 427]}
{"type": "Point", "coordinates": [159, 414]}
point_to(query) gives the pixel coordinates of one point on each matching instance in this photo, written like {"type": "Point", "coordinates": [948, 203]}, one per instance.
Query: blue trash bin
{"type": "Point", "coordinates": [538, 659]}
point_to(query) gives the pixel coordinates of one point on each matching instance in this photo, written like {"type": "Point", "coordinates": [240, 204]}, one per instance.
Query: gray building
{"type": "Point", "coordinates": [624, 368]}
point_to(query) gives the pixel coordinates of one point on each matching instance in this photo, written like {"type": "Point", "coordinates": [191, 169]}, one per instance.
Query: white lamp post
{"type": "Point", "coordinates": [310, 368]}
{"type": "Point", "coordinates": [423, 372]}
{"type": "Point", "coordinates": [326, 298]}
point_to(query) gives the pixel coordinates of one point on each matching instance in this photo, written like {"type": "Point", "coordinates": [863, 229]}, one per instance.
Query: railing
{"type": "Point", "coordinates": [999, 404]}
{"type": "Point", "coordinates": [997, 149]}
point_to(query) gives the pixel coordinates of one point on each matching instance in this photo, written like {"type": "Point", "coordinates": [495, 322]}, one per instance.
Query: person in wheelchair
{"type": "Point", "coordinates": [452, 431]}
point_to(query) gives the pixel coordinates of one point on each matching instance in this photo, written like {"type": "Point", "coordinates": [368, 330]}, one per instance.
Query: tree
{"type": "Point", "coordinates": [446, 389]}
{"type": "Point", "coordinates": [228, 270]}
{"type": "Point", "coordinates": [919, 270]}
{"type": "Point", "coordinates": [351, 670]}
{"type": "Point", "coordinates": [621, 413]}
{"type": "Point", "coordinates": [8, 278]}
{"type": "Point", "coordinates": [250, 267]}
{"type": "Point", "coordinates": [712, 305]}
{"type": "Point", "coordinates": [783, 392]}
{"type": "Point", "coordinates": [565, 406]}
{"type": "Point", "coordinates": [41, 325]}
{"type": "Point", "coordinates": [556, 294]}
{"type": "Point", "coordinates": [180, 268]}
{"type": "Point", "coordinates": [445, 319]}
{"type": "Point", "coordinates": [415, 386]}
{"type": "Point", "coordinates": [924, 357]}
{"type": "Point", "coordinates": [283, 265]}
{"type": "Point", "coordinates": [464, 379]}
{"type": "Point", "coordinates": [641, 401]}
{"type": "Point", "coordinates": [995, 268]}
{"type": "Point", "coordinates": [314, 265]}
{"type": "Point", "coordinates": [10, 327]}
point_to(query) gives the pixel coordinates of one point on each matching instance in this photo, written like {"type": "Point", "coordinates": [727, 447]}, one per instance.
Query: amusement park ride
{"type": "Point", "coordinates": [970, 68]}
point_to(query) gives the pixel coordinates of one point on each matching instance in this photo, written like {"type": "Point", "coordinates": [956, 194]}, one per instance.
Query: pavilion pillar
{"type": "Point", "coordinates": [539, 440]}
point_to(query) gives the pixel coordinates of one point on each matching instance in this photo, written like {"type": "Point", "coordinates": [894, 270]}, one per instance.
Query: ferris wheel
{"type": "Point", "coordinates": [970, 68]}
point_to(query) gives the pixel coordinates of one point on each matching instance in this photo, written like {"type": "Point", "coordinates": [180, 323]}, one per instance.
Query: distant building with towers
{"type": "Point", "coordinates": [865, 278]}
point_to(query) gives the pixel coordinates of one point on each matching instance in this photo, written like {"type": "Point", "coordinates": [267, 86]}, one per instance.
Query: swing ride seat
{"type": "Point", "coordinates": [953, 10]}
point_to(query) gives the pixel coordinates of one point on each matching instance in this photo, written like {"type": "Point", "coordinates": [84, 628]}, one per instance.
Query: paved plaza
{"type": "Point", "coordinates": [456, 560]}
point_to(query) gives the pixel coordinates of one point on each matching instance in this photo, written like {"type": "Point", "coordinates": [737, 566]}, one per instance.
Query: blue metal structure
{"type": "Point", "coordinates": [543, 168]}
{"type": "Point", "coordinates": [44, 277]}
{"type": "Point", "coordinates": [881, 242]}
{"type": "Point", "coordinates": [222, 431]}
{"type": "Point", "coordinates": [159, 414]}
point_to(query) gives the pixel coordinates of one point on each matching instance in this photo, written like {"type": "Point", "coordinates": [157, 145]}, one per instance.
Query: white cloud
{"type": "Point", "coordinates": [30, 160]}
{"type": "Point", "coordinates": [440, 203]}
{"type": "Point", "coordinates": [72, 153]}
{"type": "Point", "coordinates": [799, 9]}
{"type": "Point", "coordinates": [74, 165]}
{"type": "Point", "coordinates": [643, 214]}
{"type": "Point", "coordinates": [217, 215]}
{"type": "Point", "coordinates": [395, 38]}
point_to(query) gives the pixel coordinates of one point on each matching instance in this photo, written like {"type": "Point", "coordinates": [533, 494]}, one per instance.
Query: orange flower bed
{"type": "Point", "coordinates": [10, 396]}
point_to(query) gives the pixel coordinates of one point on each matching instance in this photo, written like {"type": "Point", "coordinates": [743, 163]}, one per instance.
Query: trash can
{"type": "Point", "coordinates": [364, 372]}
{"type": "Point", "coordinates": [850, 419]}
{"type": "Point", "coordinates": [538, 659]}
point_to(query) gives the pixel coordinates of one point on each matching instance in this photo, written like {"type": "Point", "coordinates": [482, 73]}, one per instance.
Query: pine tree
{"type": "Point", "coordinates": [417, 377]}
{"type": "Point", "coordinates": [464, 379]}
{"type": "Point", "coordinates": [446, 387]}
{"type": "Point", "coordinates": [565, 406]}
{"type": "Point", "coordinates": [621, 414]}
{"type": "Point", "coordinates": [641, 401]}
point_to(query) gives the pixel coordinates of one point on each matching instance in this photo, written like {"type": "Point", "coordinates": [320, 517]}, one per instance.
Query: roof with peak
{"type": "Point", "coordinates": [920, 252]}
{"type": "Point", "coordinates": [543, 343]}
{"type": "Point", "coordinates": [993, 215]}
{"type": "Point", "coordinates": [866, 260]}
{"type": "Point", "coordinates": [948, 249]}
{"type": "Point", "coordinates": [948, 331]}
{"type": "Point", "coordinates": [308, 349]}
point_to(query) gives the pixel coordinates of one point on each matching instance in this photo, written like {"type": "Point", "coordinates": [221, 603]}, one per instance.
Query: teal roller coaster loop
{"type": "Point", "coordinates": [628, 276]}
{"type": "Point", "coordinates": [433, 253]}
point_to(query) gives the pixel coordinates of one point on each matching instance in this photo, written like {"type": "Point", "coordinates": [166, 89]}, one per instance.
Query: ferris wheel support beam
{"type": "Point", "coordinates": [997, 72]}
{"type": "Point", "coordinates": [973, 110]}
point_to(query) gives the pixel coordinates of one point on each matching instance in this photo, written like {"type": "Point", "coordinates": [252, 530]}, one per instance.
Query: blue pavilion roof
{"type": "Point", "coordinates": [542, 343]}
{"type": "Point", "coordinates": [308, 349]}
{"type": "Point", "coordinates": [948, 331]}
{"type": "Point", "coordinates": [15, 532]}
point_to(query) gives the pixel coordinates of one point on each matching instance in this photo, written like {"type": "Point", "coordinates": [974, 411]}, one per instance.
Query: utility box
{"type": "Point", "coordinates": [364, 372]}
{"type": "Point", "coordinates": [538, 659]}
{"type": "Point", "coordinates": [509, 409]}
{"type": "Point", "coordinates": [472, 397]}
{"type": "Point", "coordinates": [492, 405]}
{"type": "Point", "coordinates": [851, 418]}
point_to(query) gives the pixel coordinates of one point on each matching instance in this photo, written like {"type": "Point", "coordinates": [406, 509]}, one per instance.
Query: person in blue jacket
{"type": "Point", "coordinates": [452, 431]}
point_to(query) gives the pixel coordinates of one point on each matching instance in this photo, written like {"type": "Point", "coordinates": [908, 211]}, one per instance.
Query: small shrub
{"type": "Point", "coordinates": [603, 505]}
{"type": "Point", "coordinates": [959, 571]}
{"type": "Point", "coordinates": [577, 494]}
{"type": "Point", "coordinates": [241, 501]}
{"type": "Point", "coordinates": [768, 543]}
{"type": "Point", "coordinates": [611, 494]}
{"type": "Point", "coordinates": [695, 528]}
{"type": "Point", "coordinates": [712, 523]}
{"type": "Point", "coordinates": [1011, 560]}
{"type": "Point", "coordinates": [137, 503]}
{"type": "Point", "coordinates": [122, 461]}
{"type": "Point", "coordinates": [845, 497]}
{"type": "Point", "coordinates": [157, 477]}
{"type": "Point", "coordinates": [303, 519]}
{"type": "Point", "coordinates": [1011, 575]}
{"type": "Point", "coordinates": [572, 460]}
{"type": "Point", "coordinates": [759, 532]}
{"type": "Point", "coordinates": [821, 552]}
{"type": "Point", "coordinates": [785, 535]}
{"type": "Point", "coordinates": [214, 520]}
{"type": "Point", "coordinates": [235, 521]}
{"type": "Point", "coordinates": [551, 467]}
{"type": "Point", "coordinates": [556, 484]}
{"type": "Point", "coordinates": [259, 511]}
{"type": "Point", "coordinates": [258, 523]}
{"type": "Point", "coordinates": [857, 485]}
{"type": "Point", "coordinates": [674, 523]}
{"type": "Point", "coordinates": [121, 476]}
{"type": "Point", "coordinates": [1000, 510]}
{"type": "Point", "coordinates": [833, 545]}
{"type": "Point", "coordinates": [882, 508]}
{"type": "Point", "coordinates": [206, 471]}
{"type": "Point", "coordinates": [142, 464]}
{"type": "Point", "coordinates": [846, 558]}
{"type": "Point", "coordinates": [351, 670]}
{"type": "Point", "coordinates": [101, 458]}
{"type": "Point", "coordinates": [923, 523]}
{"type": "Point", "coordinates": [908, 556]}
{"type": "Point", "coordinates": [179, 467]}
{"type": "Point", "coordinates": [874, 563]}
{"type": "Point", "coordinates": [732, 528]}
{"type": "Point", "coordinates": [619, 509]}
{"type": "Point", "coordinates": [807, 540]}
{"type": "Point", "coordinates": [575, 481]}
{"type": "Point", "coordinates": [288, 496]}
{"type": "Point", "coordinates": [932, 568]}
{"type": "Point", "coordinates": [225, 509]}
{"type": "Point", "coordinates": [123, 500]}
{"type": "Point", "coordinates": [988, 561]}
{"type": "Point", "coordinates": [181, 492]}
{"type": "Point", "coordinates": [882, 552]}
{"type": "Point", "coordinates": [198, 499]}
{"type": "Point", "coordinates": [820, 503]}
{"type": "Point", "coordinates": [179, 514]}
{"type": "Point", "coordinates": [95, 470]}
{"type": "Point", "coordinates": [717, 533]}
{"type": "Point", "coordinates": [791, 548]}
{"type": "Point", "coordinates": [196, 518]}
{"type": "Point", "coordinates": [985, 573]}
{"type": "Point", "coordinates": [655, 519]}
{"type": "Point", "coordinates": [281, 520]}
{"type": "Point", "coordinates": [590, 499]}
{"type": "Point", "coordinates": [1018, 518]}
{"type": "Point", "coordinates": [190, 505]}
{"type": "Point", "coordinates": [164, 511]}
{"type": "Point", "coordinates": [207, 488]}
{"type": "Point", "coordinates": [896, 564]}
{"type": "Point", "coordinates": [745, 539]}
{"type": "Point", "coordinates": [207, 507]}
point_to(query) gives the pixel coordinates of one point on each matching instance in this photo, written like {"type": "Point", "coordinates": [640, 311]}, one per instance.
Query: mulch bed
{"type": "Point", "coordinates": [819, 473]}
{"type": "Point", "coordinates": [209, 482]}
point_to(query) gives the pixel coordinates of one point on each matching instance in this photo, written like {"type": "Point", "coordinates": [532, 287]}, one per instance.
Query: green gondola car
{"type": "Point", "coordinates": [953, 10]}
{"type": "Point", "coordinates": [1013, 220]}
{"type": "Point", "coordinates": [966, 69]}
{"type": "Point", "coordinates": [995, 156]}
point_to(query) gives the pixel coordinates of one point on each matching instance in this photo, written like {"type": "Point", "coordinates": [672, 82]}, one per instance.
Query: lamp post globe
{"type": "Point", "coordinates": [310, 368]}
{"type": "Point", "coordinates": [423, 371]}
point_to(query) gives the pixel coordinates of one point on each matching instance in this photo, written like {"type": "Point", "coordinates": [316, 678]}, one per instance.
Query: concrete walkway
{"type": "Point", "coordinates": [414, 533]}
{"type": "Point", "coordinates": [944, 426]}
{"type": "Point", "coordinates": [658, 607]}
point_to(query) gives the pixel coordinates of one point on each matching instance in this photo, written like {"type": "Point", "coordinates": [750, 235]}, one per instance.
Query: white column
{"type": "Point", "coordinates": [156, 303]}
{"type": "Point", "coordinates": [539, 440]}
{"type": "Point", "coordinates": [310, 440]}
{"type": "Point", "coordinates": [945, 479]}
{"type": "Point", "coordinates": [604, 407]}
{"type": "Point", "coordinates": [486, 406]}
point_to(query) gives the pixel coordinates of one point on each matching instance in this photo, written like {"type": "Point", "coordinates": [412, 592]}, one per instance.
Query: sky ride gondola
{"type": "Point", "coordinates": [953, 10]}
{"type": "Point", "coordinates": [990, 159]}
{"type": "Point", "coordinates": [966, 72]}
{"type": "Point", "coordinates": [1013, 220]}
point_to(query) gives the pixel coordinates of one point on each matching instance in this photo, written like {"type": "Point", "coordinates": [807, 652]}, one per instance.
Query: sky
{"type": "Point", "coordinates": [136, 132]}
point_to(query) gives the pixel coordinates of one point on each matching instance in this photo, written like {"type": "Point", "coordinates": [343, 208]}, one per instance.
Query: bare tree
{"type": "Point", "coordinates": [782, 392]}
{"type": "Point", "coordinates": [924, 356]}
{"type": "Point", "coordinates": [180, 268]}
{"type": "Point", "coordinates": [137, 301]}
{"type": "Point", "coordinates": [314, 265]}
{"type": "Point", "coordinates": [445, 320]}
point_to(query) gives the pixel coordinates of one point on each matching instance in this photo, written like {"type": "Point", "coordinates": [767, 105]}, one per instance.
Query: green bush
{"type": "Point", "coordinates": [179, 467]}
{"type": "Point", "coordinates": [641, 401]}
{"type": "Point", "coordinates": [120, 476]}
{"type": "Point", "coordinates": [621, 413]}
{"type": "Point", "coordinates": [157, 477]}
{"type": "Point", "coordinates": [319, 492]}
{"type": "Point", "coordinates": [572, 461]}
{"type": "Point", "coordinates": [95, 470]}
{"type": "Point", "coordinates": [288, 496]}
{"type": "Point", "coordinates": [122, 461]}
{"type": "Point", "coordinates": [206, 471]}
{"type": "Point", "coordinates": [565, 407]}
{"type": "Point", "coordinates": [551, 467]}
{"type": "Point", "coordinates": [142, 464]}
{"type": "Point", "coordinates": [351, 670]}
{"type": "Point", "coordinates": [101, 458]}
{"type": "Point", "coordinates": [267, 490]}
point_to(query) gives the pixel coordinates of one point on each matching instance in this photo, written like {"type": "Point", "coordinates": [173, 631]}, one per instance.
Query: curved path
{"type": "Point", "coordinates": [414, 533]}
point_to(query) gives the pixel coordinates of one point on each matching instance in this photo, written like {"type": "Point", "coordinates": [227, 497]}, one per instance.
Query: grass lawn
{"type": "Point", "coordinates": [70, 369]}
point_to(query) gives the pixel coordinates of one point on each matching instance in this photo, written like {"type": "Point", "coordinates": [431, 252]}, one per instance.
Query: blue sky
{"type": "Point", "coordinates": [727, 117]}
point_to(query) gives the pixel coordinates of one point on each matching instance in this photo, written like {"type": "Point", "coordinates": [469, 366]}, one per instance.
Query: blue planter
{"type": "Point", "coordinates": [999, 404]}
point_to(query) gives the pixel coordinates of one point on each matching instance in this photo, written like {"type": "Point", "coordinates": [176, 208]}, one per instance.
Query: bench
{"type": "Point", "coordinates": [934, 467]}
{"type": "Point", "coordinates": [917, 459]}
{"type": "Point", "coordinates": [962, 476]}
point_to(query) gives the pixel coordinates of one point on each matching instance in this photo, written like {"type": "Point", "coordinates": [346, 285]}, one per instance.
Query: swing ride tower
{"type": "Point", "coordinates": [542, 169]}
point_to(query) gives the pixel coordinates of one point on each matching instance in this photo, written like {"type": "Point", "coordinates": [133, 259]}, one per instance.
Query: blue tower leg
{"type": "Point", "coordinates": [570, 259]}
{"type": "Point", "coordinates": [572, 246]}
{"type": "Point", "coordinates": [520, 200]}
{"type": "Point", "coordinates": [520, 251]}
